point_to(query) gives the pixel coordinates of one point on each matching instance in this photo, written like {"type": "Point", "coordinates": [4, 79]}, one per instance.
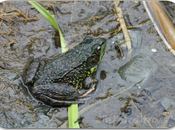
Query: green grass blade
{"type": "Point", "coordinates": [51, 19]}
{"type": "Point", "coordinates": [73, 116]}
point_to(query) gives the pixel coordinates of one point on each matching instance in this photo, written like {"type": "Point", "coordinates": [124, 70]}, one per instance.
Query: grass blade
{"type": "Point", "coordinates": [51, 19]}
{"type": "Point", "coordinates": [73, 116]}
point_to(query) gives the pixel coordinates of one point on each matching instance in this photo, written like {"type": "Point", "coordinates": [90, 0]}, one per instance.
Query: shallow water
{"type": "Point", "coordinates": [138, 106]}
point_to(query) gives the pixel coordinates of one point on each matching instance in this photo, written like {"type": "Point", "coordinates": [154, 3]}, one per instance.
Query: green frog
{"type": "Point", "coordinates": [57, 82]}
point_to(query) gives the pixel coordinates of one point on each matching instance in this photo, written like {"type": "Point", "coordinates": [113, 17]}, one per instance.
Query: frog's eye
{"type": "Point", "coordinates": [98, 48]}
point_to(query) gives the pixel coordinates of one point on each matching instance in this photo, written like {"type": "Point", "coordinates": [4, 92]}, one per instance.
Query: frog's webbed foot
{"type": "Point", "coordinates": [58, 94]}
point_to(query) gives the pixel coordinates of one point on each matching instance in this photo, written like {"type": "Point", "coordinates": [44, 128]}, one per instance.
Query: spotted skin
{"type": "Point", "coordinates": [56, 83]}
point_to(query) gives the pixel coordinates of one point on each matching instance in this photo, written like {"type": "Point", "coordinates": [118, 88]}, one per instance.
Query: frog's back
{"type": "Point", "coordinates": [66, 62]}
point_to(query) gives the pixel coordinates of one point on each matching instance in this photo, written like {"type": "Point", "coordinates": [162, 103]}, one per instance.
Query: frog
{"type": "Point", "coordinates": [57, 82]}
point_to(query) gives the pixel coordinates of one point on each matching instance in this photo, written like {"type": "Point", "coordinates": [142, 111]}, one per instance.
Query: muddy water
{"type": "Point", "coordinates": [118, 101]}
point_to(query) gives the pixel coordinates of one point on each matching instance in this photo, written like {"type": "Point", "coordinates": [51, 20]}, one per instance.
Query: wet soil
{"type": "Point", "coordinates": [131, 86]}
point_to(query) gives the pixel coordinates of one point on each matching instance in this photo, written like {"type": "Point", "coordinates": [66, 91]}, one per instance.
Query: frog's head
{"type": "Point", "coordinates": [98, 47]}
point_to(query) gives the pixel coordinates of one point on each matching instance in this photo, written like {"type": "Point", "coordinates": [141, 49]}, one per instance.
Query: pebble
{"type": "Point", "coordinates": [139, 67]}
{"type": "Point", "coordinates": [154, 50]}
{"type": "Point", "coordinates": [166, 103]}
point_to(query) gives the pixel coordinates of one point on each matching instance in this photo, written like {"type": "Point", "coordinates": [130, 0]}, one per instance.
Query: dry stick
{"type": "Point", "coordinates": [163, 21]}
{"type": "Point", "coordinates": [26, 16]}
{"type": "Point", "coordinates": [9, 84]}
{"type": "Point", "coordinates": [123, 26]}
{"type": "Point", "coordinates": [139, 111]}
{"type": "Point", "coordinates": [116, 3]}
{"type": "Point", "coordinates": [128, 88]}
{"type": "Point", "coordinates": [167, 118]}
{"type": "Point", "coordinates": [156, 27]}
{"type": "Point", "coordinates": [1, 23]}
{"type": "Point", "coordinates": [86, 93]}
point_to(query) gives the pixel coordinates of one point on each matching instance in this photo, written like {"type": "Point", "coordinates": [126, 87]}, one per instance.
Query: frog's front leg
{"type": "Point", "coordinates": [57, 94]}
{"type": "Point", "coordinates": [89, 82]}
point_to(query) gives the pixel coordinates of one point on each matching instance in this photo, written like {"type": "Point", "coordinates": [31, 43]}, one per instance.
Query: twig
{"type": "Point", "coordinates": [117, 3]}
{"type": "Point", "coordinates": [167, 118]}
{"type": "Point", "coordinates": [119, 51]}
{"type": "Point", "coordinates": [26, 16]}
{"type": "Point", "coordinates": [86, 93]}
{"type": "Point", "coordinates": [128, 88]}
{"type": "Point", "coordinates": [159, 32]}
{"type": "Point", "coordinates": [123, 26]}
{"type": "Point", "coordinates": [148, 96]}
{"type": "Point", "coordinates": [9, 85]}
{"type": "Point", "coordinates": [139, 111]}
{"type": "Point", "coordinates": [1, 23]}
